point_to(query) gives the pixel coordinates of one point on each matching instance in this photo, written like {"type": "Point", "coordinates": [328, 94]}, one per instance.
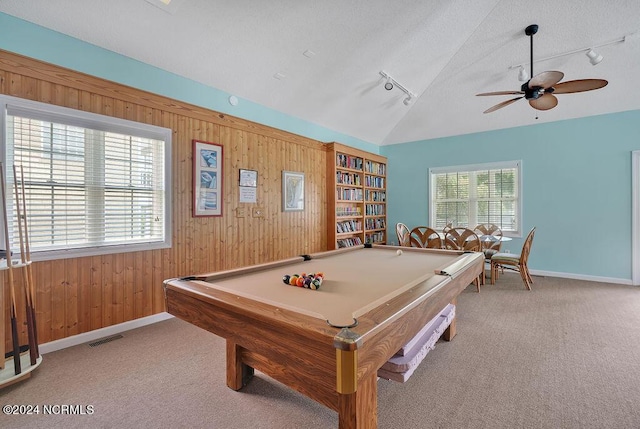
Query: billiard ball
{"type": "Point", "coordinates": [399, 252]}
{"type": "Point", "coordinates": [315, 284]}
{"type": "Point", "coordinates": [286, 278]}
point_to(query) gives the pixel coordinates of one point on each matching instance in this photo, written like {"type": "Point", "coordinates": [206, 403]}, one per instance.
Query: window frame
{"type": "Point", "coordinates": [517, 164]}
{"type": "Point", "coordinates": [10, 105]}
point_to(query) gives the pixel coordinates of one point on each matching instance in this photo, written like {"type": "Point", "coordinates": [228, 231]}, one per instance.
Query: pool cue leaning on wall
{"type": "Point", "coordinates": [14, 321]}
{"type": "Point", "coordinates": [32, 289]}
{"type": "Point", "coordinates": [25, 275]}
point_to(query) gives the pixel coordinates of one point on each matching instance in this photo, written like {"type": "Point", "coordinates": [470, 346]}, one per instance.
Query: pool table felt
{"type": "Point", "coordinates": [354, 281]}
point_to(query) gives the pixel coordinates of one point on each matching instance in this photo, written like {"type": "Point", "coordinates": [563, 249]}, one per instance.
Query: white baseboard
{"type": "Point", "coordinates": [101, 333]}
{"type": "Point", "coordinates": [581, 277]}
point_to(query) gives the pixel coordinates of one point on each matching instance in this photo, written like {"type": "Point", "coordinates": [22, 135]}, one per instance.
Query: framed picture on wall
{"type": "Point", "coordinates": [248, 178]}
{"type": "Point", "coordinates": [292, 191]}
{"type": "Point", "coordinates": [207, 179]}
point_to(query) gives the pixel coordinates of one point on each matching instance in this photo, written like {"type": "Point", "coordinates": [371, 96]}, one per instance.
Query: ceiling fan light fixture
{"type": "Point", "coordinates": [523, 76]}
{"type": "Point", "coordinates": [540, 88]}
{"type": "Point", "coordinates": [594, 57]}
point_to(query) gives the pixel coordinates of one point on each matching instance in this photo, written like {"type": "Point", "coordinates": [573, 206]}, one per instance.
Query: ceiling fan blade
{"type": "Point", "coordinates": [546, 79]}
{"type": "Point", "coordinates": [501, 105]}
{"type": "Point", "coordinates": [579, 85]}
{"type": "Point", "coordinates": [501, 93]}
{"type": "Point", "coordinates": [546, 102]}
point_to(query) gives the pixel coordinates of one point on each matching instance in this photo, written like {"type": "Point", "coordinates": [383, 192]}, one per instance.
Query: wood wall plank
{"type": "Point", "coordinates": [79, 295]}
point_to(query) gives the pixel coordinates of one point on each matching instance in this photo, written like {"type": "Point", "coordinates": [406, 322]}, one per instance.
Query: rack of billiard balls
{"type": "Point", "coordinates": [309, 281]}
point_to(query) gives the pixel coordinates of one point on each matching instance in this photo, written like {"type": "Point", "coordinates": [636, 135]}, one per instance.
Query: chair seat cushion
{"type": "Point", "coordinates": [506, 258]}
{"type": "Point", "coordinates": [488, 253]}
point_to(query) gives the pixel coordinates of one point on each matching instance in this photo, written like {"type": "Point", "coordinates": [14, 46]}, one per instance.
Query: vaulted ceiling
{"type": "Point", "coordinates": [320, 61]}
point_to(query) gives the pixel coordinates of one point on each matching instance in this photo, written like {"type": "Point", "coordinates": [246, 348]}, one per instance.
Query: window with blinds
{"type": "Point", "coordinates": [474, 194]}
{"type": "Point", "coordinates": [92, 184]}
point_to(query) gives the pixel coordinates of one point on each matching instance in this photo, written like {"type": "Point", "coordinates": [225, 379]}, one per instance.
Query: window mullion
{"type": "Point", "coordinates": [95, 183]}
{"type": "Point", "coordinates": [473, 199]}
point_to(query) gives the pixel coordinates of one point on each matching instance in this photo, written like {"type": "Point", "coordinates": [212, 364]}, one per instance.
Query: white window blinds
{"type": "Point", "coordinates": [471, 195]}
{"type": "Point", "coordinates": [91, 182]}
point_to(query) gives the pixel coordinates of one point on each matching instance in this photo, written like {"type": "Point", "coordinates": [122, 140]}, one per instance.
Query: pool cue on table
{"type": "Point", "coordinates": [32, 289]}
{"type": "Point", "coordinates": [25, 276]}
{"type": "Point", "coordinates": [14, 321]}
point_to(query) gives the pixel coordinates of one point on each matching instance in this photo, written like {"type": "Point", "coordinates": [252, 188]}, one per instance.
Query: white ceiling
{"type": "Point", "coordinates": [445, 51]}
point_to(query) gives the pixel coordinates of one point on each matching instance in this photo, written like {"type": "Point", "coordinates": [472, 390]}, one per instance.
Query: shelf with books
{"type": "Point", "coordinates": [356, 196]}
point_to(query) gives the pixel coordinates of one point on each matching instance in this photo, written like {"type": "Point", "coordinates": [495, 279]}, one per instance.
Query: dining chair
{"type": "Point", "coordinates": [403, 232]}
{"type": "Point", "coordinates": [491, 238]}
{"type": "Point", "coordinates": [515, 262]}
{"type": "Point", "coordinates": [423, 236]}
{"type": "Point", "coordinates": [460, 238]}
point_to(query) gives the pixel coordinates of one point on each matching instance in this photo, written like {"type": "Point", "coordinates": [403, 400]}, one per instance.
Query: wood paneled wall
{"type": "Point", "coordinates": [83, 294]}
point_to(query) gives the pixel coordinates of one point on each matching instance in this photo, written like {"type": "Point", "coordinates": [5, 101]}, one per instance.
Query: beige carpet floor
{"type": "Point", "coordinates": [565, 355]}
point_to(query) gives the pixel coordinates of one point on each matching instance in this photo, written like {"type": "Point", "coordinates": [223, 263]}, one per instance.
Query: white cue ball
{"type": "Point", "coordinates": [399, 252]}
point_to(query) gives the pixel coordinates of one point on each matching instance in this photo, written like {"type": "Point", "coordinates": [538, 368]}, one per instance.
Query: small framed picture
{"type": "Point", "coordinates": [248, 178]}
{"type": "Point", "coordinates": [292, 191]}
{"type": "Point", "coordinates": [207, 179]}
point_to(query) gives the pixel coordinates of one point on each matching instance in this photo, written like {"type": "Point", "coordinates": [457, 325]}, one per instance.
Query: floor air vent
{"type": "Point", "coordinates": [105, 340]}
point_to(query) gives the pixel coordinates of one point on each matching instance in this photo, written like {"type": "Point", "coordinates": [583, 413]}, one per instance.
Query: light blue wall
{"type": "Point", "coordinates": [33, 41]}
{"type": "Point", "coordinates": [576, 187]}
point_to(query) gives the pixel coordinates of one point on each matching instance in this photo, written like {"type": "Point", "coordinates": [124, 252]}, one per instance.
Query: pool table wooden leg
{"type": "Point", "coordinates": [359, 410]}
{"type": "Point", "coordinates": [450, 332]}
{"type": "Point", "coordinates": [238, 374]}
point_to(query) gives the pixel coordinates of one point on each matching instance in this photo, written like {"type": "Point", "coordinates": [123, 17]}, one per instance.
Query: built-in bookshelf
{"type": "Point", "coordinates": [357, 197]}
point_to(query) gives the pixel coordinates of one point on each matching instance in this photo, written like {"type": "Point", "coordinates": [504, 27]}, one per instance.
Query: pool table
{"type": "Point", "coordinates": [327, 343]}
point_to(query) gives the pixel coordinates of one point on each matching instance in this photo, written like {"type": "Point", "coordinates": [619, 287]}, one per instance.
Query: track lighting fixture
{"type": "Point", "coordinates": [594, 57]}
{"type": "Point", "coordinates": [523, 76]}
{"type": "Point", "coordinates": [391, 83]}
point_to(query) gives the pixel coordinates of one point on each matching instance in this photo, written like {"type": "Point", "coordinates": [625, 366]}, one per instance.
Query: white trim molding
{"type": "Point", "coordinates": [575, 276]}
{"type": "Point", "coordinates": [635, 217]}
{"type": "Point", "coordinates": [86, 337]}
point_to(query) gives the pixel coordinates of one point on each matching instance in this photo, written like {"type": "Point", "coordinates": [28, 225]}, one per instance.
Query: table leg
{"type": "Point", "coordinates": [359, 410]}
{"type": "Point", "coordinates": [238, 374]}
{"type": "Point", "coordinates": [450, 332]}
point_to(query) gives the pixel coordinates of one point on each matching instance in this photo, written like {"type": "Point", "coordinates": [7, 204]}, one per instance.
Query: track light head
{"type": "Point", "coordinates": [391, 83]}
{"type": "Point", "coordinates": [594, 57]}
{"type": "Point", "coordinates": [523, 76]}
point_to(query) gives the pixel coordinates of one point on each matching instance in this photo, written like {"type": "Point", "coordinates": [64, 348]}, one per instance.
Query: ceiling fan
{"type": "Point", "coordinates": [540, 89]}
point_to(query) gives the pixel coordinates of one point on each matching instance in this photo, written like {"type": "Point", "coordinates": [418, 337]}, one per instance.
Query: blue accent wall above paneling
{"type": "Point", "coordinates": [576, 187]}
